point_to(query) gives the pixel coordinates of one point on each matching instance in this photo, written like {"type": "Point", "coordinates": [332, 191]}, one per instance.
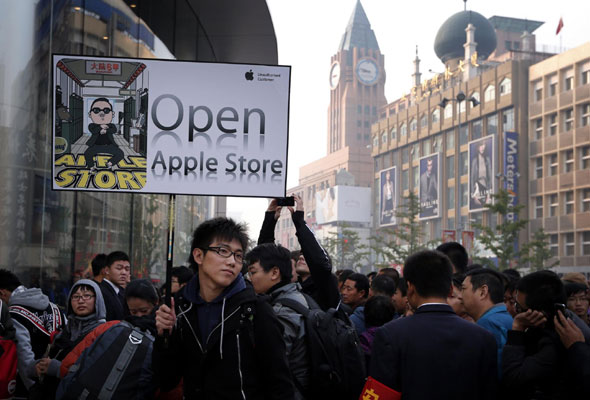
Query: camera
{"type": "Point", "coordinates": [286, 201]}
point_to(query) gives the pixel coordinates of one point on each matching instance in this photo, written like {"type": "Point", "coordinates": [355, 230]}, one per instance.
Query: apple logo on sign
{"type": "Point", "coordinates": [249, 75]}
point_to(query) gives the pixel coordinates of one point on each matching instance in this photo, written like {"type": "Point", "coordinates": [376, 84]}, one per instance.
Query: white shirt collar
{"type": "Point", "coordinates": [113, 285]}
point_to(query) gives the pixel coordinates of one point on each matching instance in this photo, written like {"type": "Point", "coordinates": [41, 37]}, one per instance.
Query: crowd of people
{"type": "Point", "coordinates": [270, 323]}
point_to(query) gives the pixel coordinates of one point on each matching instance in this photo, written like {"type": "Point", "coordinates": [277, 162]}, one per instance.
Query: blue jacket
{"type": "Point", "coordinates": [358, 319]}
{"type": "Point", "coordinates": [498, 322]}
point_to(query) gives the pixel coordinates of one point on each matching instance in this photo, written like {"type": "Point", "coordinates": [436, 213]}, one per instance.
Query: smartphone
{"type": "Point", "coordinates": [286, 201]}
{"type": "Point", "coordinates": [560, 307]}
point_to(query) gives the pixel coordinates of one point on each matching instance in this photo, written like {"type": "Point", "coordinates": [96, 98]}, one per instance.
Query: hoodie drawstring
{"type": "Point", "coordinates": [222, 326]}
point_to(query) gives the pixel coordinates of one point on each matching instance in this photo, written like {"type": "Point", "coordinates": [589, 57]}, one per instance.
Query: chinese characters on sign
{"type": "Point", "coordinates": [103, 67]}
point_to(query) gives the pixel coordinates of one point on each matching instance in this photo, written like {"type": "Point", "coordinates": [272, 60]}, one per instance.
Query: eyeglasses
{"type": "Point", "coordinates": [518, 308]}
{"type": "Point", "coordinates": [509, 300]}
{"type": "Point", "coordinates": [97, 110]}
{"type": "Point", "coordinates": [226, 253]}
{"type": "Point", "coordinates": [576, 299]}
{"type": "Point", "coordinates": [85, 297]}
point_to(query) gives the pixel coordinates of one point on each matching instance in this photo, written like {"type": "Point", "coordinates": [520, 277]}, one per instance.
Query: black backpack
{"type": "Point", "coordinates": [116, 366]}
{"type": "Point", "coordinates": [337, 365]}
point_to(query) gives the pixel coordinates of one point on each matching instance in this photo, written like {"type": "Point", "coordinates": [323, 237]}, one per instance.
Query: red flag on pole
{"type": "Point", "coordinates": [559, 26]}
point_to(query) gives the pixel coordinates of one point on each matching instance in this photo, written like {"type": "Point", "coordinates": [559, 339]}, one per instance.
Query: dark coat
{"type": "Point", "coordinates": [578, 360]}
{"type": "Point", "coordinates": [247, 362]}
{"type": "Point", "coordinates": [116, 309]}
{"type": "Point", "coordinates": [534, 366]}
{"type": "Point", "coordinates": [95, 130]}
{"type": "Point", "coordinates": [321, 285]}
{"type": "Point", "coordinates": [435, 354]}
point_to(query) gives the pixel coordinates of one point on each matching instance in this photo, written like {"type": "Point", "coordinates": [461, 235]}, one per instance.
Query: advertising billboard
{"type": "Point", "coordinates": [481, 172]}
{"type": "Point", "coordinates": [429, 186]}
{"type": "Point", "coordinates": [343, 204]}
{"type": "Point", "coordinates": [164, 126]}
{"type": "Point", "coordinates": [387, 196]}
{"type": "Point", "coordinates": [511, 170]}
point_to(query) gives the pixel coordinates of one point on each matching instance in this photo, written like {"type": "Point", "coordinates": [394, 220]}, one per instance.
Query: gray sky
{"type": "Point", "coordinates": [309, 32]}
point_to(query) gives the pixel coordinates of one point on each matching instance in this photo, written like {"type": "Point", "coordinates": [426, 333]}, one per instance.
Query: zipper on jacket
{"type": "Point", "coordinates": [219, 324]}
{"type": "Point", "coordinates": [183, 313]}
{"type": "Point", "coordinates": [240, 367]}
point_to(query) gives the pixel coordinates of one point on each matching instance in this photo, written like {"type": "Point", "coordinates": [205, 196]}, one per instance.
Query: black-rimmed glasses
{"type": "Point", "coordinates": [226, 253]}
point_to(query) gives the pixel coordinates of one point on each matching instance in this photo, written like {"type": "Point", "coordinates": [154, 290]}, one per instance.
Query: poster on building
{"type": "Point", "coordinates": [349, 204]}
{"type": "Point", "coordinates": [429, 186]}
{"type": "Point", "coordinates": [481, 172]}
{"type": "Point", "coordinates": [449, 235]}
{"type": "Point", "coordinates": [387, 196]}
{"type": "Point", "coordinates": [164, 126]}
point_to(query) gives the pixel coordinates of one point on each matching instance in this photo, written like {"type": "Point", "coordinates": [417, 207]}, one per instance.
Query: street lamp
{"type": "Point", "coordinates": [460, 97]}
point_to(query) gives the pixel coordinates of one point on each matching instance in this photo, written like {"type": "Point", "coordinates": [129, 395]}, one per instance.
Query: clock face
{"type": "Point", "coordinates": [334, 75]}
{"type": "Point", "coordinates": [367, 71]}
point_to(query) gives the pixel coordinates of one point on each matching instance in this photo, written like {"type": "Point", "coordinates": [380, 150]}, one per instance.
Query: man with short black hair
{"type": "Point", "coordinates": [269, 267]}
{"type": "Point", "coordinates": [116, 276]}
{"type": "Point", "coordinates": [355, 290]}
{"type": "Point", "coordinates": [224, 342]}
{"type": "Point", "coordinates": [382, 285]}
{"type": "Point", "coordinates": [390, 272]}
{"type": "Point", "coordinates": [422, 355]}
{"type": "Point", "coordinates": [99, 262]}
{"type": "Point", "coordinates": [400, 298]}
{"type": "Point", "coordinates": [180, 277]}
{"type": "Point", "coordinates": [534, 360]}
{"type": "Point", "coordinates": [457, 254]}
{"type": "Point", "coordinates": [482, 295]}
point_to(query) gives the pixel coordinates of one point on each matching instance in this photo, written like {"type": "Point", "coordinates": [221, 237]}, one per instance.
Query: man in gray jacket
{"type": "Point", "coordinates": [269, 267]}
{"type": "Point", "coordinates": [35, 319]}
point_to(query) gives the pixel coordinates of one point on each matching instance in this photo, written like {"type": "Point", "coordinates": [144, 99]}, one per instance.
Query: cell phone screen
{"type": "Point", "coordinates": [286, 201]}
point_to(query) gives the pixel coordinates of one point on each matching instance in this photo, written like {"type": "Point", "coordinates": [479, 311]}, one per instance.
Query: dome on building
{"type": "Point", "coordinates": [451, 36]}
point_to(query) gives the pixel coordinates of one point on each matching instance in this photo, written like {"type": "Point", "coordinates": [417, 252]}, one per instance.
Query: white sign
{"type": "Point", "coordinates": [171, 127]}
{"type": "Point", "coordinates": [343, 204]}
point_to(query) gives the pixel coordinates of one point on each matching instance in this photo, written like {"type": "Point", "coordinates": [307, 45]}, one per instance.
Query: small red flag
{"type": "Point", "coordinates": [559, 26]}
{"type": "Point", "coordinates": [375, 390]}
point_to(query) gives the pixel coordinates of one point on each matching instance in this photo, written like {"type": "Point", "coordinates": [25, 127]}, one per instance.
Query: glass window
{"type": "Point", "coordinates": [359, 123]}
{"type": "Point", "coordinates": [415, 151]}
{"type": "Point", "coordinates": [553, 204]}
{"type": "Point", "coordinates": [508, 120]}
{"type": "Point", "coordinates": [585, 157]}
{"type": "Point", "coordinates": [552, 170]}
{"type": "Point", "coordinates": [489, 94]}
{"type": "Point", "coordinates": [585, 114]}
{"type": "Point", "coordinates": [405, 179]}
{"type": "Point", "coordinates": [585, 200]}
{"type": "Point", "coordinates": [569, 244]}
{"type": "Point", "coordinates": [463, 134]}
{"type": "Point", "coordinates": [569, 202]}
{"type": "Point", "coordinates": [492, 124]}
{"type": "Point", "coordinates": [464, 195]}
{"type": "Point", "coordinates": [426, 147]}
{"type": "Point", "coordinates": [586, 243]}
{"type": "Point", "coordinates": [359, 109]}
{"type": "Point", "coordinates": [476, 129]}
{"type": "Point", "coordinates": [450, 167]}
{"type": "Point", "coordinates": [435, 116]}
{"type": "Point", "coordinates": [450, 198]}
{"type": "Point", "coordinates": [539, 207]}
{"type": "Point", "coordinates": [568, 79]}
{"type": "Point", "coordinates": [413, 125]}
{"type": "Point", "coordinates": [538, 167]}
{"type": "Point", "coordinates": [424, 121]}
{"type": "Point", "coordinates": [437, 143]}
{"type": "Point", "coordinates": [568, 160]}
{"type": "Point", "coordinates": [416, 176]}
{"type": "Point", "coordinates": [367, 109]}
{"type": "Point", "coordinates": [383, 137]}
{"type": "Point", "coordinates": [450, 137]}
{"type": "Point", "coordinates": [554, 245]}
{"type": "Point", "coordinates": [403, 129]}
{"type": "Point", "coordinates": [552, 89]}
{"type": "Point", "coordinates": [538, 128]}
{"type": "Point", "coordinates": [405, 152]}
{"type": "Point", "coordinates": [505, 86]}
{"type": "Point", "coordinates": [448, 112]}
{"type": "Point", "coordinates": [463, 163]}
{"type": "Point", "coordinates": [552, 124]}
{"type": "Point", "coordinates": [376, 141]}
{"type": "Point", "coordinates": [568, 119]}
{"type": "Point", "coordinates": [393, 133]}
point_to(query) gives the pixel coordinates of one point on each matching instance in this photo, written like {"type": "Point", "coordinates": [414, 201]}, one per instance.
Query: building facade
{"type": "Point", "coordinates": [49, 237]}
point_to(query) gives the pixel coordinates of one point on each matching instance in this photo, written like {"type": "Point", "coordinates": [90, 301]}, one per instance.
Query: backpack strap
{"type": "Point", "coordinates": [57, 322]}
{"type": "Point", "coordinates": [123, 361]}
{"type": "Point", "coordinates": [294, 305]}
{"type": "Point", "coordinates": [29, 316]}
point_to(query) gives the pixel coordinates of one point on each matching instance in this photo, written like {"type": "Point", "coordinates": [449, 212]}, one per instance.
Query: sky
{"type": "Point", "coordinates": [308, 34]}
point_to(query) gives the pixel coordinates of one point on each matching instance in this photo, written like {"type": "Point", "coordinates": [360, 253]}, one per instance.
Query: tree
{"type": "Point", "coordinates": [502, 240]}
{"type": "Point", "coordinates": [539, 252]}
{"type": "Point", "coordinates": [394, 245]}
{"type": "Point", "coordinates": [346, 248]}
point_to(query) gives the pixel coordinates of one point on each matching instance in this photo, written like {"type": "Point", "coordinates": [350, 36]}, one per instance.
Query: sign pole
{"type": "Point", "coordinates": [170, 249]}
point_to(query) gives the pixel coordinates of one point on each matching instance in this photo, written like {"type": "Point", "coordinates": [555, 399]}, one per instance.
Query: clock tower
{"type": "Point", "coordinates": [357, 80]}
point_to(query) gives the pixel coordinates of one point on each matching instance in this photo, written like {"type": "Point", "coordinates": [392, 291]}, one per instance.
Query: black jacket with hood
{"type": "Point", "coordinates": [321, 285]}
{"type": "Point", "coordinates": [241, 356]}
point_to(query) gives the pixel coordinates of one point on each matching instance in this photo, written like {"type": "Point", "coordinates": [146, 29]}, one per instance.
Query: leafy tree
{"type": "Point", "coordinates": [501, 240]}
{"type": "Point", "coordinates": [539, 252]}
{"type": "Point", "coordinates": [346, 249]}
{"type": "Point", "coordinates": [395, 244]}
